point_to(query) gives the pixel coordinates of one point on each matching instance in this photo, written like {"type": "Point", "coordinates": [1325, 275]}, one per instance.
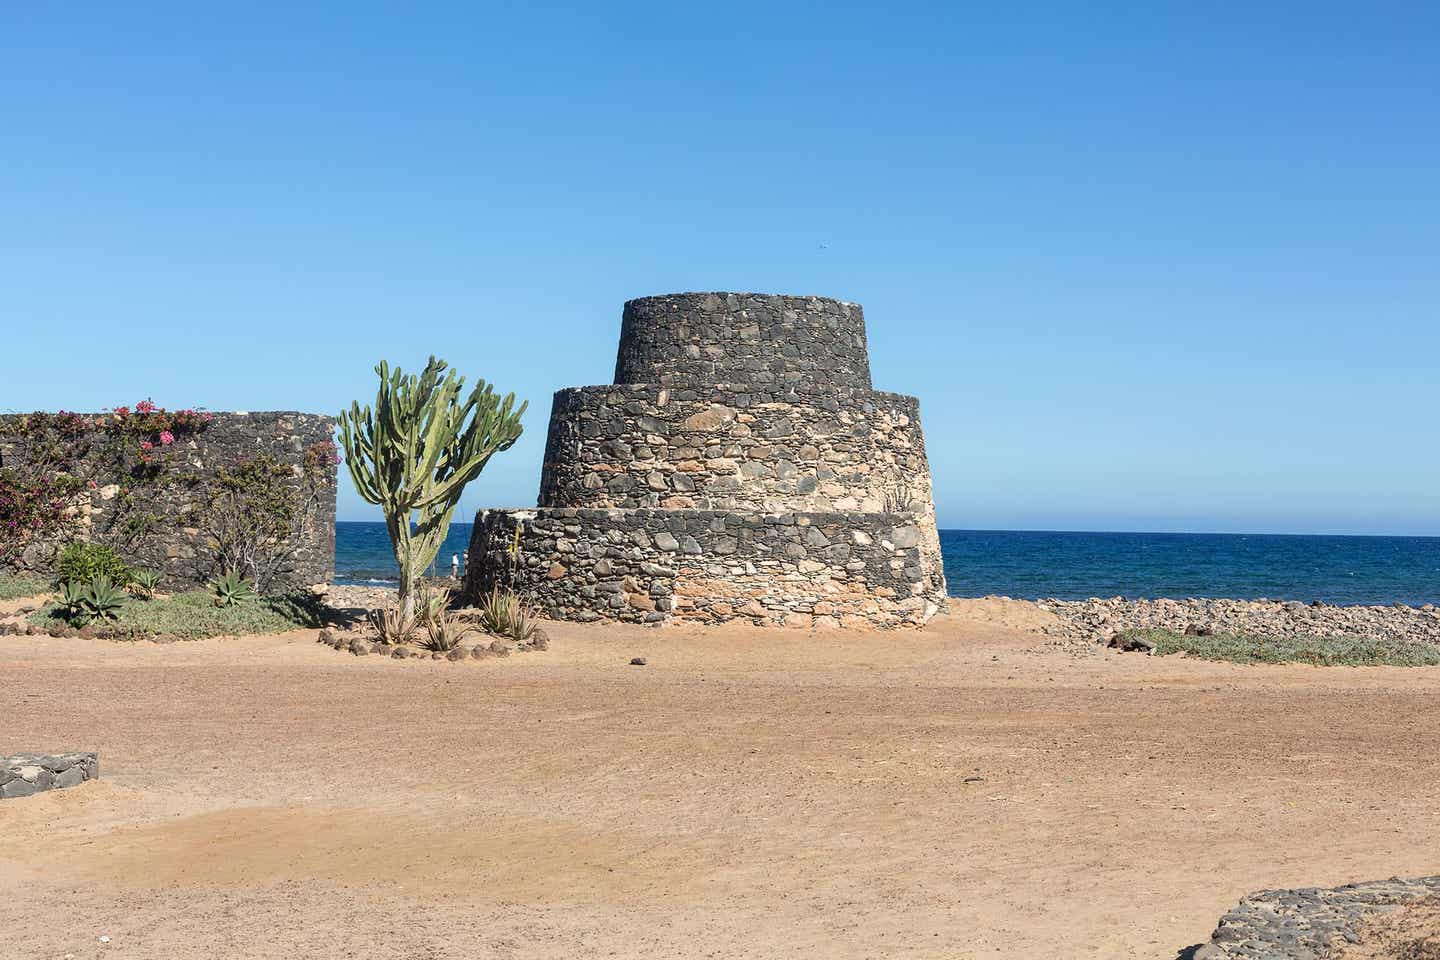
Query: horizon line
{"type": "Point", "coordinates": [1116, 533]}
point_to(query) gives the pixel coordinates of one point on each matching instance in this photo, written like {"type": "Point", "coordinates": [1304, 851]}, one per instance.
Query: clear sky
{"type": "Point", "coordinates": [1165, 266]}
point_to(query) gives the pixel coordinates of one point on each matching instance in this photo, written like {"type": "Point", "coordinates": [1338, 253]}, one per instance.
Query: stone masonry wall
{"type": "Point", "coordinates": [806, 344]}
{"type": "Point", "coordinates": [167, 543]}
{"type": "Point", "coordinates": [792, 569]}
{"type": "Point", "coordinates": [651, 446]}
{"type": "Point", "coordinates": [645, 446]}
{"type": "Point", "coordinates": [23, 774]}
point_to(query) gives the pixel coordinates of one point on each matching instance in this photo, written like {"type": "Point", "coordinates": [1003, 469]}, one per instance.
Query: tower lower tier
{"type": "Point", "coordinates": [653, 565]}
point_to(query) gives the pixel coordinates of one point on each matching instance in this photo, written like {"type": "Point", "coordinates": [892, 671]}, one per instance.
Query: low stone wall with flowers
{"type": "Point", "coordinates": [153, 484]}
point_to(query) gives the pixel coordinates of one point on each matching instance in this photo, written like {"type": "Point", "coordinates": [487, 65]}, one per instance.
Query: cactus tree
{"type": "Point", "coordinates": [416, 450]}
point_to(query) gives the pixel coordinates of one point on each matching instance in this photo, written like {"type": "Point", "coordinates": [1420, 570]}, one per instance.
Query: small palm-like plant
{"type": "Point", "coordinates": [392, 624]}
{"type": "Point", "coordinates": [144, 583]}
{"type": "Point", "coordinates": [232, 589]}
{"type": "Point", "coordinates": [444, 632]}
{"type": "Point", "coordinates": [503, 614]}
{"type": "Point", "coordinates": [103, 599]}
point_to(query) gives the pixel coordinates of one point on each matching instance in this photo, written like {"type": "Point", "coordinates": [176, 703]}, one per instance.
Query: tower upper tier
{"type": "Point", "coordinates": [812, 344]}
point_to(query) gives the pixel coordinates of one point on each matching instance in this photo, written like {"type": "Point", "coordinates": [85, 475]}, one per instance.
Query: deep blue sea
{"type": "Point", "coordinates": [1032, 565]}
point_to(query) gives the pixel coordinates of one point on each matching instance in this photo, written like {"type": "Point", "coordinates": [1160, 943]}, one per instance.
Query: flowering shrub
{"type": "Point", "coordinates": [33, 508]}
{"type": "Point", "coordinates": [64, 454]}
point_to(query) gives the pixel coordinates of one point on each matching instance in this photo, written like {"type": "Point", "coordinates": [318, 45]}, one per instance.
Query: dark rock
{"type": "Point", "coordinates": [1130, 643]}
{"type": "Point", "coordinates": [637, 661]}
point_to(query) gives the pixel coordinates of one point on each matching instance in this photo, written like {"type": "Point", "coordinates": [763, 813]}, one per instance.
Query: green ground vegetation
{"type": "Point", "coordinates": [195, 616]}
{"type": "Point", "coordinates": [18, 587]}
{"type": "Point", "coordinates": [1319, 651]}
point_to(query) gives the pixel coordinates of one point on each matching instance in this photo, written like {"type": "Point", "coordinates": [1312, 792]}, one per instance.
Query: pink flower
{"type": "Point", "coordinates": [166, 438]}
{"type": "Point", "coordinates": [144, 406]}
{"type": "Point", "coordinates": [146, 445]}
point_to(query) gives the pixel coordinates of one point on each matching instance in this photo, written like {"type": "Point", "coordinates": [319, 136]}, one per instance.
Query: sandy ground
{"type": "Point", "coordinates": [964, 791]}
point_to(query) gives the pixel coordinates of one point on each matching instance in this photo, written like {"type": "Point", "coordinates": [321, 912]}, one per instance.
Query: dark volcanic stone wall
{"type": "Point", "coordinates": [645, 446]}
{"type": "Point", "coordinates": [680, 449]}
{"type": "Point", "coordinates": [803, 344]}
{"type": "Point", "coordinates": [176, 550]}
{"type": "Point", "coordinates": [791, 569]}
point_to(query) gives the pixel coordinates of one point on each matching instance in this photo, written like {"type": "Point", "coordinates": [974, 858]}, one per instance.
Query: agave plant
{"type": "Point", "coordinates": [144, 583]}
{"type": "Point", "coordinates": [444, 631]}
{"type": "Point", "coordinates": [72, 602]}
{"type": "Point", "coordinates": [392, 623]}
{"type": "Point", "coordinates": [431, 604]}
{"type": "Point", "coordinates": [232, 589]}
{"type": "Point", "coordinates": [103, 599]}
{"type": "Point", "coordinates": [503, 614]}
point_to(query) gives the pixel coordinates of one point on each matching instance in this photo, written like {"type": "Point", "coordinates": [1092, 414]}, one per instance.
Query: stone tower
{"type": "Point", "coordinates": [740, 466]}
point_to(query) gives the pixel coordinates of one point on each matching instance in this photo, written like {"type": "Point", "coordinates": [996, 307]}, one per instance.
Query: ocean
{"type": "Point", "coordinates": [1074, 566]}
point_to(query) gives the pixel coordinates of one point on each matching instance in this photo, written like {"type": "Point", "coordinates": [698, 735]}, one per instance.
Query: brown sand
{"type": "Point", "coordinates": [964, 791]}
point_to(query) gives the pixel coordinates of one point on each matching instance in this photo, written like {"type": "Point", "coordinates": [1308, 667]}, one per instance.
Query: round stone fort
{"type": "Point", "coordinates": [740, 466]}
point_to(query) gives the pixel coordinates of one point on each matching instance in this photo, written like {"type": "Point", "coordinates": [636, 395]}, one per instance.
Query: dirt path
{"type": "Point", "coordinates": [961, 792]}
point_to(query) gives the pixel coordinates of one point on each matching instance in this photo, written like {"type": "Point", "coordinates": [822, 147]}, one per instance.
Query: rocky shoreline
{"type": "Point", "coordinates": [1099, 621]}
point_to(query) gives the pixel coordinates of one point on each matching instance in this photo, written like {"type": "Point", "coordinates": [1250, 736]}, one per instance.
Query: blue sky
{"type": "Point", "coordinates": [1148, 267]}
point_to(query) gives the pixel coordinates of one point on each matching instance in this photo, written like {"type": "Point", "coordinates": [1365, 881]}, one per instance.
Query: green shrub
{"type": "Point", "coordinates": [83, 562]}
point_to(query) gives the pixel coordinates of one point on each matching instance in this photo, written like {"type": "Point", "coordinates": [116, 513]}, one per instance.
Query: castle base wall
{"type": "Point", "coordinates": [651, 566]}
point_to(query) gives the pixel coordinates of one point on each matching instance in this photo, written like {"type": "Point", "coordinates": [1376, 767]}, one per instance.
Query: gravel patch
{"type": "Point", "coordinates": [1099, 621]}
